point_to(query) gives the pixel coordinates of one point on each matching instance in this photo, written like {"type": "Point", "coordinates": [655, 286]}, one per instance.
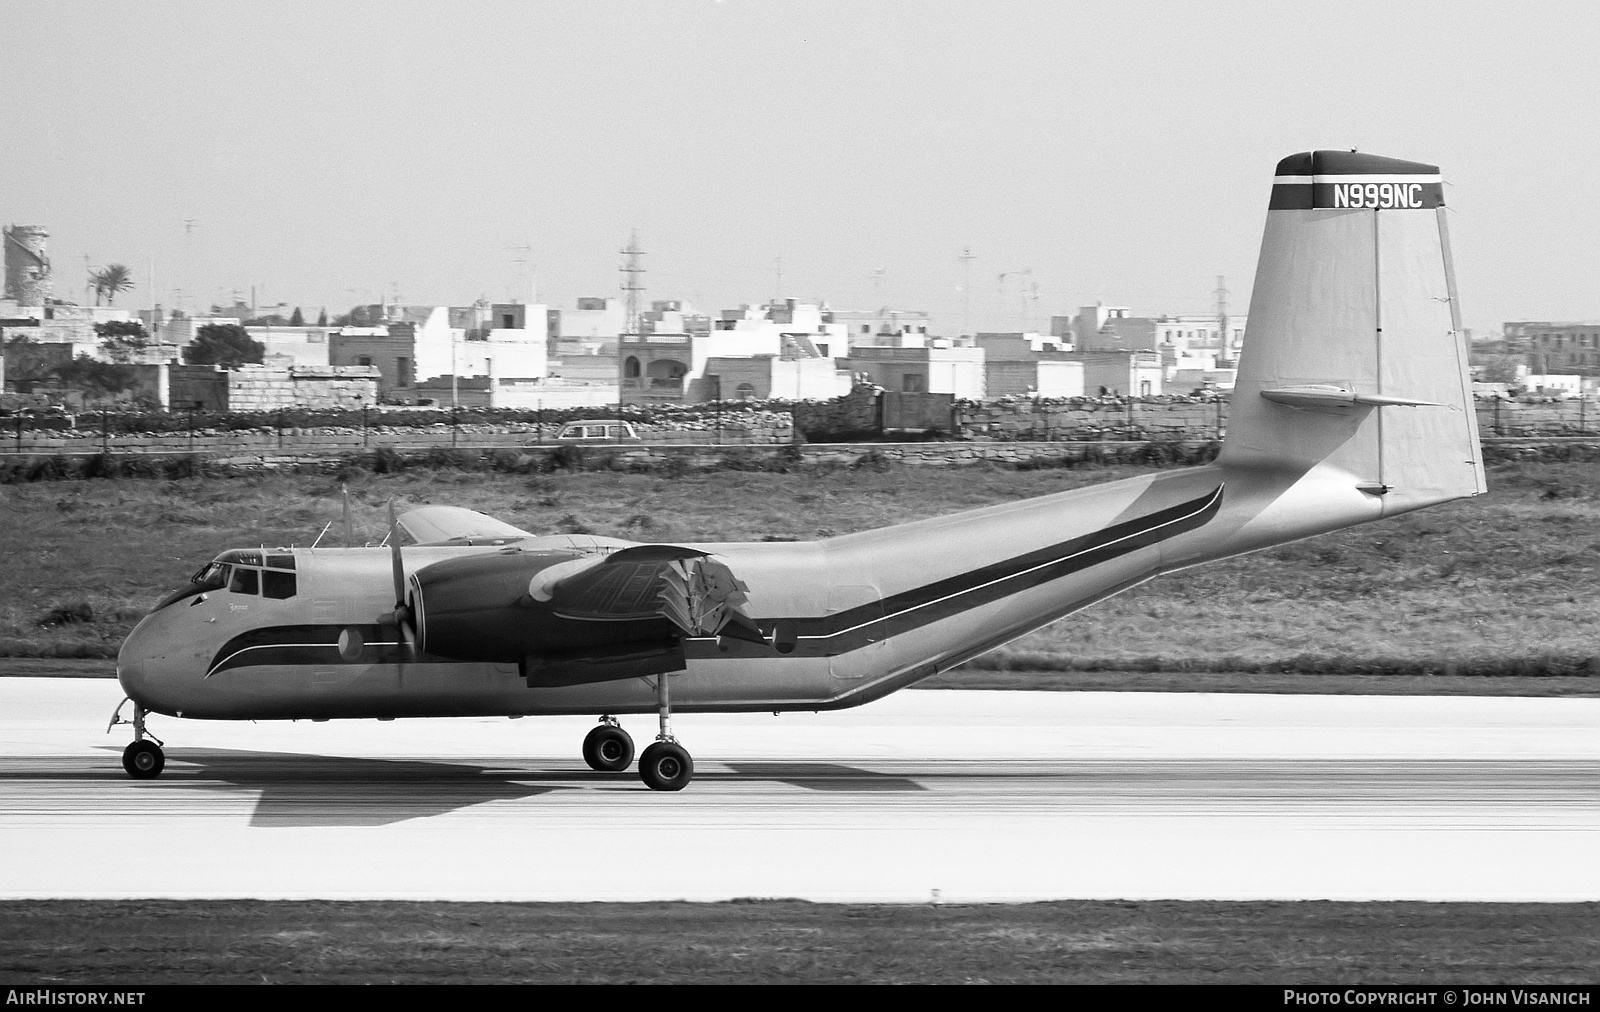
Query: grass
{"type": "Point", "coordinates": [129, 944]}
{"type": "Point", "coordinates": [1503, 585]}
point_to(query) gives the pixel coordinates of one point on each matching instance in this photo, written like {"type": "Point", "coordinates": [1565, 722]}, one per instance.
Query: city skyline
{"type": "Point", "coordinates": [335, 155]}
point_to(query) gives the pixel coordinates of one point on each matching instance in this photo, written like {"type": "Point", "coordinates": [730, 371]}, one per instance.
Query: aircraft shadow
{"type": "Point", "coordinates": [297, 790]}
{"type": "Point", "coordinates": [826, 777]}
{"type": "Point", "coordinates": [315, 790]}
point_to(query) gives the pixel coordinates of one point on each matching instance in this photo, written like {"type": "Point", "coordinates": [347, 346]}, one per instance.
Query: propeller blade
{"type": "Point", "coordinates": [401, 616]}
{"type": "Point", "coordinates": [394, 559]}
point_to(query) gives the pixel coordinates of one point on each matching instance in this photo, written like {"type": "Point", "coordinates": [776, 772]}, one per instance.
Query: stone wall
{"type": "Point", "coordinates": [202, 387]}
{"type": "Point", "coordinates": [264, 388]}
{"type": "Point", "coordinates": [1080, 419]}
{"type": "Point", "coordinates": [853, 415]}
{"type": "Point", "coordinates": [87, 437]}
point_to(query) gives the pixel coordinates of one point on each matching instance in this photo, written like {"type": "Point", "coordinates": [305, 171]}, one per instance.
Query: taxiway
{"type": "Point", "coordinates": [957, 796]}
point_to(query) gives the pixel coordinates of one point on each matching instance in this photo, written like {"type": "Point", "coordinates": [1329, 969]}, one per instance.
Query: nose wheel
{"type": "Point", "coordinates": [143, 758]}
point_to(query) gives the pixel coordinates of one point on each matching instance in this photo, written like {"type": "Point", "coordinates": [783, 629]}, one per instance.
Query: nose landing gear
{"type": "Point", "coordinates": [143, 758]}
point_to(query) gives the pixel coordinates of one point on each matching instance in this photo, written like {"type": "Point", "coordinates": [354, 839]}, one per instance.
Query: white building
{"type": "Point", "coordinates": [883, 328]}
{"type": "Point", "coordinates": [306, 347]}
{"type": "Point", "coordinates": [782, 349]}
{"type": "Point", "coordinates": [515, 352]}
{"type": "Point", "coordinates": [591, 329]}
{"type": "Point", "coordinates": [182, 330]}
{"type": "Point", "coordinates": [933, 369]}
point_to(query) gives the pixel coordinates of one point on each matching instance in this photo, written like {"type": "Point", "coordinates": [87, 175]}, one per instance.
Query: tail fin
{"type": "Point", "coordinates": [1354, 356]}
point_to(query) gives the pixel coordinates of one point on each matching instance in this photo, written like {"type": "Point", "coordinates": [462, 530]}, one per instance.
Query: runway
{"type": "Point", "coordinates": [959, 796]}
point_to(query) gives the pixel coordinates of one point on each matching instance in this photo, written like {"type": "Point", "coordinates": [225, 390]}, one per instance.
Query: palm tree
{"type": "Point", "coordinates": [109, 280]}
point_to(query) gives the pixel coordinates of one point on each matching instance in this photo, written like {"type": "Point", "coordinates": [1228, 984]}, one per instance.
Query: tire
{"type": "Point", "coordinates": [143, 760]}
{"type": "Point", "coordinates": [608, 749]}
{"type": "Point", "coordinates": [666, 766]}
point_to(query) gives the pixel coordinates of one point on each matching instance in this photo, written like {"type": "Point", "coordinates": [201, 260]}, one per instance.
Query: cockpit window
{"type": "Point", "coordinates": [245, 581]}
{"type": "Point", "coordinates": [277, 585]}
{"type": "Point", "coordinates": [211, 576]}
{"type": "Point", "coordinates": [239, 571]}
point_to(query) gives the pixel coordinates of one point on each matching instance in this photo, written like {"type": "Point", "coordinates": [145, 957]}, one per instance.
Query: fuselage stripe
{"type": "Point", "coordinates": [1209, 504]}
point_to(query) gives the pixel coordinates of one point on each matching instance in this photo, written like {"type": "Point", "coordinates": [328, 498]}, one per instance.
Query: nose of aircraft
{"type": "Point", "coordinates": [153, 666]}
{"type": "Point", "coordinates": [133, 669]}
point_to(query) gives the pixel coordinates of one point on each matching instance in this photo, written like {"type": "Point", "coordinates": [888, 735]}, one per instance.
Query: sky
{"type": "Point", "coordinates": [329, 154]}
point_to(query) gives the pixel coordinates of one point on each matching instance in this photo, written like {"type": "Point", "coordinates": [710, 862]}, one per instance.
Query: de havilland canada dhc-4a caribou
{"type": "Point", "coordinates": [1353, 403]}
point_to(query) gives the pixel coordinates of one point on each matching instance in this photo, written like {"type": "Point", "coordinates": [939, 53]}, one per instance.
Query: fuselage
{"type": "Point", "coordinates": [846, 620]}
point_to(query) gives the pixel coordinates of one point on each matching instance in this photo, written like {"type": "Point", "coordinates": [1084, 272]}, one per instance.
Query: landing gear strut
{"type": "Point", "coordinates": [608, 748]}
{"type": "Point", "coordinates": [665, 765]}
{"type": "Point", "coordinates": [143, 758]}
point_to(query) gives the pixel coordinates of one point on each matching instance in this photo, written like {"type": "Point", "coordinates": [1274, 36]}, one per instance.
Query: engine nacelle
{"type": "Point", "coordinates": [481, 608]}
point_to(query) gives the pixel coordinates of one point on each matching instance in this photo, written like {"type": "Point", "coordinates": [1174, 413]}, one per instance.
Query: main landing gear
{"type": "Point", "coordinates": [663, 766]}
{"type": "Point", "coordinates": [608, 748]}
{"type": "Point", "coordinates": [143, 758]}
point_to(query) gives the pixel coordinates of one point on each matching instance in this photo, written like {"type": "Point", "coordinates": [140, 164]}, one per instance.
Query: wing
{"type": "Point", "coordinates": [456, 525]}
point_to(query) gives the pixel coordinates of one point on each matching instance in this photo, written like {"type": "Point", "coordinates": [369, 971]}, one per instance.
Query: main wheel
{"type": "Point", "coordinates": [608, 748]}
{"type": "Point", "coordinates": [143, 759]}
{"type": "Point", "coordinates": [666, 766]}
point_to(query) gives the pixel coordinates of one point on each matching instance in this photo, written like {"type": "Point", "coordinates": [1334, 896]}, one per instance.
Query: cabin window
{"type": "Point", "coordinates": [245, 581]}
{"type": "Point", "coordinates": [278, 586]}
{"type": "Point", "coordinates": [281, 561]}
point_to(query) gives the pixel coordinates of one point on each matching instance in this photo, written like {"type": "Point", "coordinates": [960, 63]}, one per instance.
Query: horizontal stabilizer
{"type": "Point", "coordinates": [1315, 395]}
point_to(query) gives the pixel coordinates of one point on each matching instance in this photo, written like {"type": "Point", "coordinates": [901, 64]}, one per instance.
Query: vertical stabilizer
{"type": "Point", "coordinates": [1354, 358]}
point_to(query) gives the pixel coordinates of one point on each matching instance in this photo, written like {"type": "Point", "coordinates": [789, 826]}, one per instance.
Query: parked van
{"type": "Point", "coordinates": [598, 430]}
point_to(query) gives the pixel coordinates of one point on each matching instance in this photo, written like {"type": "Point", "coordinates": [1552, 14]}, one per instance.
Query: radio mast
{"type": "Point", "coordinates": [966, 258]}
{"type": "Point", "coordinates": [632, 284]}
{"type": "Point", "coordinates": [1224, 346]}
